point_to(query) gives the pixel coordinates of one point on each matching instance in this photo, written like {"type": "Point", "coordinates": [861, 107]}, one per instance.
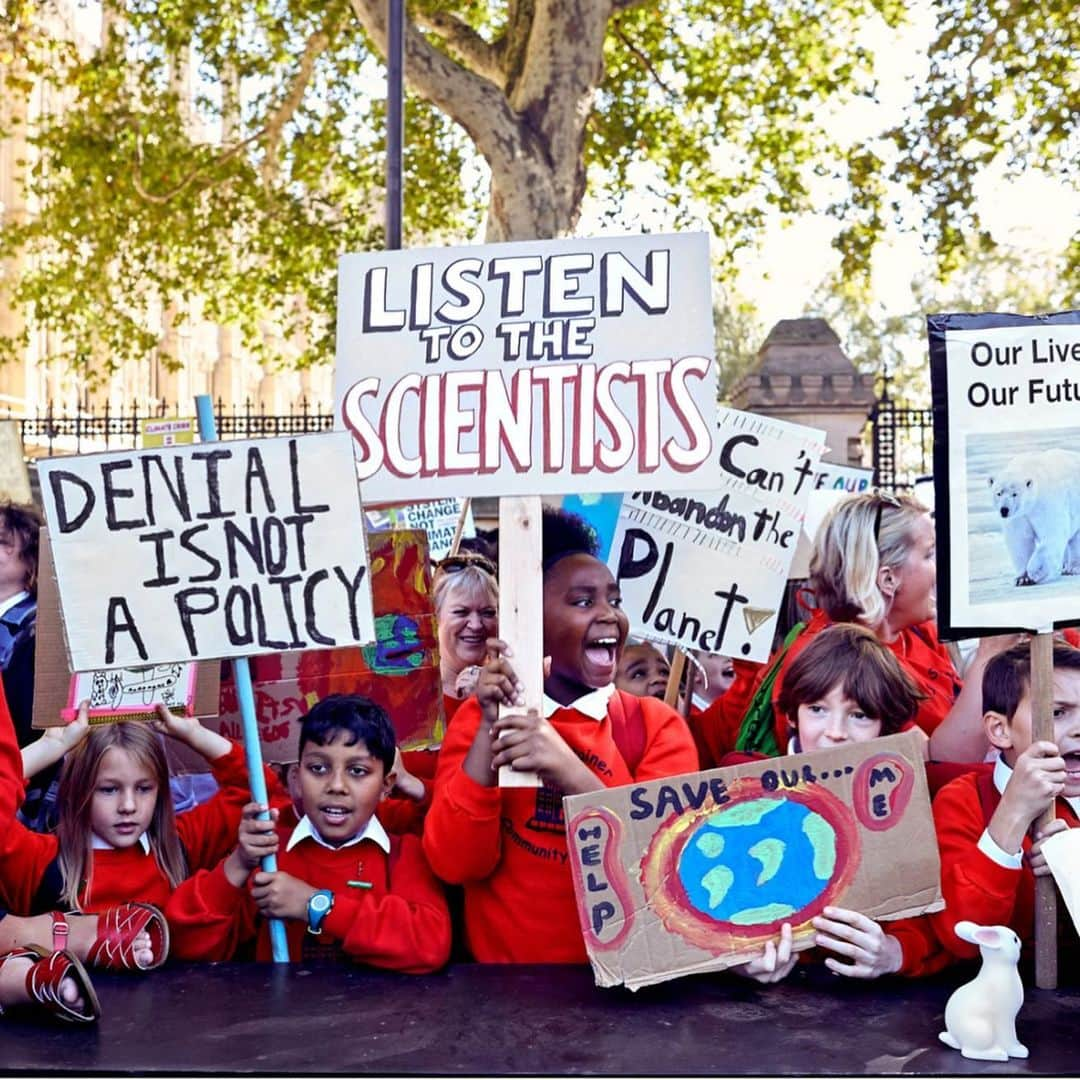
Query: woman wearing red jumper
{"type": "Point", "coordinates": [507, 846]}
{"type": "Point", "coordinates": [874, 563]}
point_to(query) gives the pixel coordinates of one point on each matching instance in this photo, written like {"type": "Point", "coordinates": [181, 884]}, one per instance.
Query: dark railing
{"type": "Point", "coordinates": [901, 436]}
{"type": "Point", "coordinates": [903, 443]}
{"type": "Point", "coordinates": [67, 432]}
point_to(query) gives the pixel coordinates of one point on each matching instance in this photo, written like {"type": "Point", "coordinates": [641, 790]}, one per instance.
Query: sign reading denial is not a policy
{"type": "Point", "coordinates": [215, 550]}
{"type": "Point", "coordinates": [527, 368]}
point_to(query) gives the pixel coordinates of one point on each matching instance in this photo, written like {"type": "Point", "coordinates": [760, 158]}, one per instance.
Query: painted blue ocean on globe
{"type": "Point", "coordinates": [758, 861]}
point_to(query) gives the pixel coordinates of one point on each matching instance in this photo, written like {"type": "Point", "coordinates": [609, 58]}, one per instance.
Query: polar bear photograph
{"type": "Point", "coordinates": [1024, 514]}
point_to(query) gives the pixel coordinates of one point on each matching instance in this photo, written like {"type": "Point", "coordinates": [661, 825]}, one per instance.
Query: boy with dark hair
{"type": "Point", "coordinates": [345, 888]}
{"type": "Point", "coordinates": [988, 861]}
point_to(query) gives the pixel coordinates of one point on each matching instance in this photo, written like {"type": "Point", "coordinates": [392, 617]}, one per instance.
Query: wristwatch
{"type": "Point", "coordinates": [318, 907]}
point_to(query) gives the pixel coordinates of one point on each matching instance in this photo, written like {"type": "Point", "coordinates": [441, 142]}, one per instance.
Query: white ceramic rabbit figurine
{"type": "Point", "coordinates": [980, 1016]}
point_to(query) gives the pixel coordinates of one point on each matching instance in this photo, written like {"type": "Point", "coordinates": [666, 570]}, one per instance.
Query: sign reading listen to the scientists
{"type": "Point", "coordinates": [197, 552]}
{"type": "Point", "coordinates": [528, 368]}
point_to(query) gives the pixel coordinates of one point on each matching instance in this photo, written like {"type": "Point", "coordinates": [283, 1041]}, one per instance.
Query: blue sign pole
{"type": "Point", "coordinates": [204, 409]}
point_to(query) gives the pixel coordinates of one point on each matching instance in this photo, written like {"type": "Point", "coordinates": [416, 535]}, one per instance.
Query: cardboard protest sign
{"type": "Point", "coordinates": [694, 873]}
{"type": "Point", "coordinates": [158, 433]}
{"type": "Point", "coordinates": [400, 671]}
{"type": "Point", "coordinates": [438, 519]}
{"type": "Point", "coordinates": [14, 478]}
{"type": "Point", "coordinates": [1006, 397]}
{"type": "Point", "coordinates": [831, 484]}
{"type": "Point", "coordinates": [56, 690]}
{"type": "Point", "coordinates": [529, 368]}
{"type": "Point", "coordinates": [707, 569]}
{"type": "Point", "coordinates": [187, 553]}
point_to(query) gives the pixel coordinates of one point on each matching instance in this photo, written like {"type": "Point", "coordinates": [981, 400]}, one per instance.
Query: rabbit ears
{"type": "Point", "coordinates": [988, 937]}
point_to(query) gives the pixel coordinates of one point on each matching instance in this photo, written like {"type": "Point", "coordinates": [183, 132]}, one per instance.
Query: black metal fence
{"type": "Point", "coordinates": [65, 432]}
{"type": "Point", "coordinates": [901, 437]}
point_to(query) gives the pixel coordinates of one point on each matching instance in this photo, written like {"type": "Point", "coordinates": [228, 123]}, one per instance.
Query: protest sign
{"type": "Point", "coordinates": [529, 368]}
{"type": "Point", "coordinates": [400, 670]}
{"type": "Point", "coordinates": [14, 478]}
{"type": "Point", "coordinates": [706, 569]}
{"type": "Point", "coordinates": [1006, 402]}
{"type": "Point", "coordinates": [601, 511]}
{"type": "Point", "coordinates": [157, 433]}
{"type": "Point", "coordinates": [695, 873]}
{"type": "Point", "coordinates": [831, 484]}
{"type": "Point", "coordinates": [187, 553]}
{"type": "Point", "coordinates": [57, 690]}
{"type": "Point", "coordinates": [438, 519]}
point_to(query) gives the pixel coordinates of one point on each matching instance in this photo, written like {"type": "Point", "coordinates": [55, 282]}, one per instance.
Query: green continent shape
{"type": "Point", "coordinates": [717, 882]}
{"type": "Point", "coordinates": [710, 844]}
{"type": "Point", "coordinates": [823, 841]}
{"type": "Point", "coordinates": [756, 915]}
{"type": "Point", "coordinates": [747, 813]}
{"type": "Point", "coordinates": [770, 853]}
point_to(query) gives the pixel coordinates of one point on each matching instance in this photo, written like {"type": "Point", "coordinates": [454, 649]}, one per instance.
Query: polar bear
{"type": "Point", "coordinates": [1037, 497]}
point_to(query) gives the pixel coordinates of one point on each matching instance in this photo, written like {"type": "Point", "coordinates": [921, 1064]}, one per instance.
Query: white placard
{"type": "Point", "coordinates": [215, 550]}
{"type": "Point", "coordinates": [1008, 503]}
{"type": "Point", "coordinates": [438, 519]}
{"type": "Point", "coordinates": [1062, 851]}
{"type": "Point", "coordinates": [706, 570]}
{"type": "Point", "coordinates": [832, 483]}
{"type": "Point", "coordinates": [528, 368]}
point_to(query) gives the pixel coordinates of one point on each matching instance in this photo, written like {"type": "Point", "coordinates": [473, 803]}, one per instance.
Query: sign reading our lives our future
{"type": "Point", "coordinates": [695, 873]}
{"type": "Point", "coordinates": [1006, 397]}
{"type": "Point", "coordinates": [209, 551]}
{"type": "Point", "coordinates": [706, 569]}
{"type": "Point", "coordinates": [527, 369]}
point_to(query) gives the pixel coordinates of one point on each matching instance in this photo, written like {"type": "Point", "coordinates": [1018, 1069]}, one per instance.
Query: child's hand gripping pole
{"type": "Point", "coordinates": [252, 751]}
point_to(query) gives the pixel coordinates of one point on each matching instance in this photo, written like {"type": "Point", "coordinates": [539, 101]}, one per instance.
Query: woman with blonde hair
{"type": "Point", "coordinates": [874, 563]}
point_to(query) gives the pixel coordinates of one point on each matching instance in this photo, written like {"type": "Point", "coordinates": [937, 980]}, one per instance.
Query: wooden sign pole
{"type": "Point", "coordinates": [521, 608]}
{"type": "Point", "coordinates": [688, 700]}
{"type": "Point", "coordinates": [678, 662]}
{"type": "Point", "coordinates": [1042, 727]}
{"type": "Point", "coordinates": [460, 527]}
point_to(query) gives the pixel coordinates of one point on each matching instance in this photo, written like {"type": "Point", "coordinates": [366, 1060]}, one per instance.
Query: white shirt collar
{"type": "Point", "coordinates": [373, 830]}
{"type": "Point", "coordinates": [11, 601]}
{"type": "Point", "coordinates": [103, 845]}
{"type": "Point", "coordinates": [594, 704]}
{"type": "Point", "coordinates": [1003, 772]}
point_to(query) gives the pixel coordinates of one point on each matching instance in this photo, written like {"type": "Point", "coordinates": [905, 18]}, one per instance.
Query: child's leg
{"type": "Point", "coordinates": [56, 981]}
{"type": "Point", "coordinates": [19, 930]}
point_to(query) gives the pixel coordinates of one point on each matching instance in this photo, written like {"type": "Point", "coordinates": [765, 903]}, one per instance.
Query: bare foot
{"type": "Point", "coordinates": [13, 985]}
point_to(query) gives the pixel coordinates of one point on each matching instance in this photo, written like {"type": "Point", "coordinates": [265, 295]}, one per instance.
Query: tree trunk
{"type": "Point", "coordinates": [524, 102]}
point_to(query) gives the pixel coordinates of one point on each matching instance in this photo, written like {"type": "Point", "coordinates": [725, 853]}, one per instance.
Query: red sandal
{"type": "Point", "coordinates": [113, 948]}
{"type": "Point", "coordinates": [45, 976]}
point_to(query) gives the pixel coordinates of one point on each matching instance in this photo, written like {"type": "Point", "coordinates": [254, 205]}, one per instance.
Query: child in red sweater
{"type": "Point", "coordinates": [117, 841]}
{"type": "Point", "coordinates": [507, 846]}
{"type": "Point", "coordinates": [847, 687]}
{"type": "Point", "coordinates": [988, 860]}
{"type": "Point", "coordinates": [643, 670]}
{"type": "Point", "coordinates": [346, 889]}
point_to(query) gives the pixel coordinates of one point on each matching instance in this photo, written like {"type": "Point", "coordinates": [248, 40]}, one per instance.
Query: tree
{"type": "Point", "coordinates": [235, 190]}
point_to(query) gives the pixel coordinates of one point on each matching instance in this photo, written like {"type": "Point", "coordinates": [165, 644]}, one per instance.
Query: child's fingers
{"type": "Point", "coordinates": [843, 932]}
{"type": "Point", "coordinates": [1055, 826]}
{"type": "Point", "coordinates": [838, 968]}
{"type": "Point", "coordinates": [783, 952]}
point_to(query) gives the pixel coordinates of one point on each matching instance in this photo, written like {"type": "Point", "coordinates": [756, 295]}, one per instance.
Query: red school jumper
{"type": "Point", "coordinates": [30, 880]}
{"type": "Point", "coordinates": [401, 922]}
{"type": "Point", "coordinates": [507, 846]}
{"type": "Point", "coordinates": [976, 887]}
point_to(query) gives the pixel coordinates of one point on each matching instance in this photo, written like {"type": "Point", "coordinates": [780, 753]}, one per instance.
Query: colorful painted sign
{"type": "Point", "coordinates": [199, 552]}
{"type": "Point", "coordinates": [695, 873]}
{"type": "Point", "coordinates": [400, 670]}
{"type": "Point", "coordinates": [529, 368]}
{"type": "Point", "coordinates": [706, 569]}
{"type": "Point", "coordinates": [1006, 471]}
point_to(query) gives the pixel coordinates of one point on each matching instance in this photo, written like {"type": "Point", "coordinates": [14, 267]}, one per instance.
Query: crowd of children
{"type": "Point", "coordinates": [366, 851]}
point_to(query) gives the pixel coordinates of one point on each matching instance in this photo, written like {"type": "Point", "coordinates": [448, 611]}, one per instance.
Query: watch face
{"type": "Point", "coordinates": [320, 902]}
